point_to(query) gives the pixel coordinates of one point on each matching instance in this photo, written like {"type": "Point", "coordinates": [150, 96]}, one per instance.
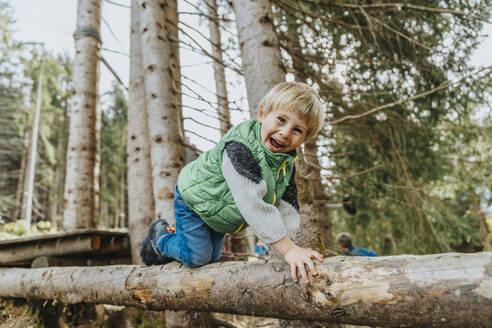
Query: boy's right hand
{"type": "Point", "coordinates": [297, 257]}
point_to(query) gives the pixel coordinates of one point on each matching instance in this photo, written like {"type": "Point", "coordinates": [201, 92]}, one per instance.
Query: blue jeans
{"type": "Point", "coordinates": [194, 243]}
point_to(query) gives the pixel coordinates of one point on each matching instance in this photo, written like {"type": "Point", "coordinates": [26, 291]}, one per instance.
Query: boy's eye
{"type": "Point", "coordinates": [300, 131]}
{"type": "Point", "coordinates": [281, 119]}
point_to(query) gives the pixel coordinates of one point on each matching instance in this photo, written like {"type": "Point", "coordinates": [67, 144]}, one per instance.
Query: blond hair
{"type": "Point", "coordinates": [296, 97]}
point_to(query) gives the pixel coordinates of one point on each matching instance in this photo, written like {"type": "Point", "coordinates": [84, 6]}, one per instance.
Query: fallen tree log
{"type": "Point", "coordinates": [441, 290]}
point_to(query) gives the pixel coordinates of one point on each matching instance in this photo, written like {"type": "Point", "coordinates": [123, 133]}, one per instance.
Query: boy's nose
{"type": "Point", "coordinates": [285, 133]}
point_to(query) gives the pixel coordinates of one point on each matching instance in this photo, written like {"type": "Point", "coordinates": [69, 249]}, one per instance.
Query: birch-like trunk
{"type": "Point", "coordinates": [22, 175]}
{"type": "Point", "coordinates": [219, 71]}
{"type": "Point", "coordinates": [166, 145]}
{"type": "Point", "coordinates": [61, 166]}
{"type": "Point", "coordinates": [31, 167]}
{"type": "Point", "coordinates": [260, 52]}
{"type": "Point", "coordinates": [440, 290]}
{"type": "Point", "coordinates": [140, 194]}
{"type": "Point", "coordinates": [79, 208]}
{"type": "Point", "coordinates": [171, 12]}
{"type": "Point", "coordinates": [97, 166]}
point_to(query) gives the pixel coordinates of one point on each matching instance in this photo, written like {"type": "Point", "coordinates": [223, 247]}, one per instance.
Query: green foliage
{"type": "Point", "coordinates": [113, 157]}
{"type": "Point", "coordinates": [11, 111]}
{"type": "Point", "coordinates": [384, 53]}
{"type": "Point", "coordinates": [20, 70]}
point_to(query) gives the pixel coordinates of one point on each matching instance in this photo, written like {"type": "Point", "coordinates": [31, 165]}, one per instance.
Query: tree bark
{"type": "Point", "coordinates": [219, 71]}
{"type": "Point", "coordinates": [452, 290]}
{"type": "Point", "coordinates": [122, 200]}
{"type": "Point", "coordinates": [22, 175]}
{"type": "Point", "coordinates": [61, 164]}
{"type": "Point", "coordinates": [172, 18]}
{"type": "Point", "coordinates": [166, 144]}
{"type": "Point", "coordinates": [58, 176]}
{"type": "Point", "coordinates": [260, 52]}
{"type": "Point", "coordinates": [97, 166]}
{"type": "Point", "coordinates": [140, 194]}
{"type": "Point", "coordinates": [309, 171]}
{"type": "Point", "coordinates": [79, 209]}
{"type": "Point", "coordinates": [317, 191]}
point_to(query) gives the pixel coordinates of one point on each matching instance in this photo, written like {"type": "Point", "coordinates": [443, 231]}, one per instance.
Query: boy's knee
{"type": "Point", "coordinates": [199, 259]}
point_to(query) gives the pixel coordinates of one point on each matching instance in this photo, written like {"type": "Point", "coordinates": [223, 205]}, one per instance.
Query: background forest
{"type": "Point", "coordinates": [407, 141]}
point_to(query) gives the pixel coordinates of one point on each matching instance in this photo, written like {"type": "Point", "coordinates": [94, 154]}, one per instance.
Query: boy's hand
{"type": "Point", "coordinates": [297, 257]}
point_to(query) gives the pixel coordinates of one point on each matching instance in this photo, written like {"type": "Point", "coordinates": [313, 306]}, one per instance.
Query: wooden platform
{"type": "Point", "coordinates": [78, 247]}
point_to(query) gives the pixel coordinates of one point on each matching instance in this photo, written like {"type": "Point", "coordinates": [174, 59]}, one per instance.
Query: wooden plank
{"type": "Point", "coordinates": [77, 232]}
{"type": "Point", "coordinates": [24, 250]}
{"type": "Point", "coordinates": [53, 247]}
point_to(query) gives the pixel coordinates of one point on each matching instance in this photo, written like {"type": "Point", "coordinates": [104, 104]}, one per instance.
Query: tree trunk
{"type": "Point", "coordinates": [484, 230]}
{"type": "Point", "coordinates": [79, 209]}
{"type": "Point", "coordinates": [159, 39]}
{"type": "Point", "coordinates": [58, 176]}
{"type": "Point", "coordinates": [140, 194]}
{"type": "Point", "coordinates": [317, 191]}
{"type": "Point", "coordinates": [260, 52]}
{"type": "Point", "coordinates": [171, 12]}
{"type": "Point", "coordinates": [219, 71]}
{"type": "Point", "coordinates": [61, 165]}
{"type": "Point", "coordinates": [309, 171]}
{"type": "Point", "coordinates": [452, 290]}
{"type": "Point", "coordinates": [122, 200]}
{"type": "Point", "coordinates": [97, 166]}
{"type": "Point", "coordinates": [22, 175]}
{"type": "Point", "coordinates": [31, 167]}
{"type": "Point", "coordinates": [167, 153]}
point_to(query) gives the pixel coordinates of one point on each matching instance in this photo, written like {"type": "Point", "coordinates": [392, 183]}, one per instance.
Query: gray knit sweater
{"type": "Point", "coordinates": [243, 176]}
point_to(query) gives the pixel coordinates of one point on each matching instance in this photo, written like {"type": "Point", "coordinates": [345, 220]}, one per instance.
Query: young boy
{"type": "Point", "coordinates": [247, 179]}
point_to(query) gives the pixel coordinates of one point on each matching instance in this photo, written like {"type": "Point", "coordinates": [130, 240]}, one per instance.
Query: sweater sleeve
{"type": "Point", "coordinates": [243, 177]}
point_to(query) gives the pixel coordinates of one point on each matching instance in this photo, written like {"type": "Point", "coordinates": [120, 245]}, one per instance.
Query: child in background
{"type": "Point", "coordinates": [260, 249]}
{"type": "Point", "coordinates": [345, 244]}
{"type": "Point", "coordinates": [247, 179]}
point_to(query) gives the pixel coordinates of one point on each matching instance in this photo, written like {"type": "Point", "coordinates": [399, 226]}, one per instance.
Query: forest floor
{"type": "Point", "coordinates": [19, 313]}
{"type": "Point", "coordinates": [16, 314]}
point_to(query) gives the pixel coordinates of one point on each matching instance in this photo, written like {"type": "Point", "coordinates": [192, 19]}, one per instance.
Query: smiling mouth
{"type": "Point", "coordinates": [276, 144]}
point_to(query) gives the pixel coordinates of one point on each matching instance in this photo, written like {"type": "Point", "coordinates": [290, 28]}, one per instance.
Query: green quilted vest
{"type": "Point", "coordinates": [205, 190]}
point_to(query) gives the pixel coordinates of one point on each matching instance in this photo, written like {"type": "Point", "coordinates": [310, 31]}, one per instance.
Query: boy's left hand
{"type": "Point", "coordinates": [297, 257]}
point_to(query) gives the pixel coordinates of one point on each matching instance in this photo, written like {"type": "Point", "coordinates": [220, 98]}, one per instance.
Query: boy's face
{"type": "Point", "coordinates": [281, 130]}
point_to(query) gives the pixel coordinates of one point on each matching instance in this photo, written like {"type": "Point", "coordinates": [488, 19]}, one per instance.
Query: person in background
{"type": "Point", "coordinates": [260, 249]}
{"type": "Point", "coordinates": [345, 243]}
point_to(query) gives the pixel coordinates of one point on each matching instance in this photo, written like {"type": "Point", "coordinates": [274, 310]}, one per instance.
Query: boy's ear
{"type": "Point", "coordinates": [260, 114]}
